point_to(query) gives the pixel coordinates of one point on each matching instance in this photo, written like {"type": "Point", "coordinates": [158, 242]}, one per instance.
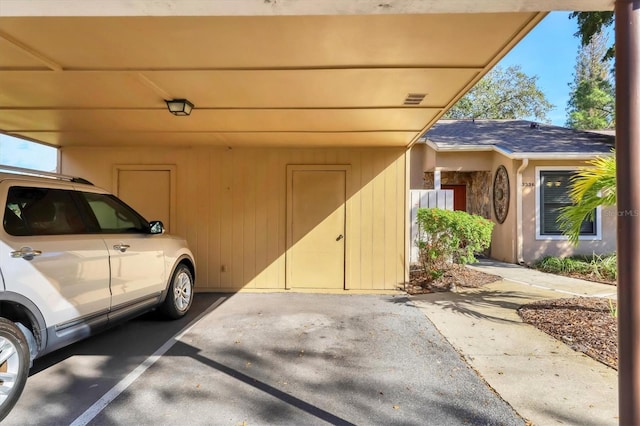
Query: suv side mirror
{"type": "Point", "coordinates": [156, 227]}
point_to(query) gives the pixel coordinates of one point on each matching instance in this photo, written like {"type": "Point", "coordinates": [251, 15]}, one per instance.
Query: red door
{"type": "Point", "coordinates": [459, 196]}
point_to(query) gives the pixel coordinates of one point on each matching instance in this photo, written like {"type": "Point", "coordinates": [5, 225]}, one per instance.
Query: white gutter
{"type": "Point", "coordinates": [519, 232]}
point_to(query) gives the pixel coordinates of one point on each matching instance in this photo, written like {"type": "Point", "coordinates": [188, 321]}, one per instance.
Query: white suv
{"type": "Point", "coordinates": [75, 259]}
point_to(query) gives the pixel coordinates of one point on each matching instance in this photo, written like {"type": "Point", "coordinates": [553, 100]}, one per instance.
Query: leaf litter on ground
{"type": "Point", "coordinates": [586, 324]}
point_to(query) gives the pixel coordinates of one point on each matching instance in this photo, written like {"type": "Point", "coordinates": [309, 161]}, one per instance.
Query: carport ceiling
{"type": "Point", "coordinates": [316, 80]}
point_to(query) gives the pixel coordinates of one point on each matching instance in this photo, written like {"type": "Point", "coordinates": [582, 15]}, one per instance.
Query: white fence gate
{"type": "Point", "coordinates": [426, 198]}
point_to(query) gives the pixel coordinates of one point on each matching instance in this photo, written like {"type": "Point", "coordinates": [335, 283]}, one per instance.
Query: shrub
{"type": "Point", "coordinates": [595, 267]}
{"type": "Point", "coordinates": [550, 264]}
{"type": "Point", "coordinates": [450, 236]}
{"type": "Point", "coordinates": [608, 267]}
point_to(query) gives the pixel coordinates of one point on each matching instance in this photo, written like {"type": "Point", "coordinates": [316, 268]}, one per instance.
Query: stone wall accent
{"type": "Point", "coordinates": [478, 189]}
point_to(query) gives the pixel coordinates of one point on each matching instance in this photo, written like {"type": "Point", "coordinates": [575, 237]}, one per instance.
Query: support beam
{"type": "Point", "coordinates": [286, 7]}
{"type": "Point", "coordinates": [50, 63]}
{"type": "Point", "coordinates": [628, 196]}
{"type": "Point", "coordinates": [436, 180]}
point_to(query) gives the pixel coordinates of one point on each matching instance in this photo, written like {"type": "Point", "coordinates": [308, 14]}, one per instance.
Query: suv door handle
{"type": "Point", "coordinates": [121, 247]}
{"type": "Point", "coordinates": [27, 253]}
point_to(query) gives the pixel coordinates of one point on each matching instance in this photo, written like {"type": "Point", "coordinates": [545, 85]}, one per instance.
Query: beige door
{"type": "Point", "coordinates": [148, 192]}
{"type": "Point", "coordinates": [316, 225]}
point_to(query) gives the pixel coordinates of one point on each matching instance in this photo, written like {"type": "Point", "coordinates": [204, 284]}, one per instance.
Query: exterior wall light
{"type": "Point", "coordinates": [179, 106]}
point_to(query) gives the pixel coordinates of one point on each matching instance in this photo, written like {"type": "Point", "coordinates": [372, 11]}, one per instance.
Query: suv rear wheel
{"type": "Point", "coordinates": [180, 294]}
{"type": "Point", "coordinates": [14, 365]}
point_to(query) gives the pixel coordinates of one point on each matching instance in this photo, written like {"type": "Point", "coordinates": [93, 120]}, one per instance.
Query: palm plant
{"type": "Point", "coordinates": [591, 187]}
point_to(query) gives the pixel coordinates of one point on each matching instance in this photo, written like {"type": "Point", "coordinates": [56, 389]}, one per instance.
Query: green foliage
{"type": "Point", "coordinates": [592, 100]}
{"type": "Point", "coordinates": [503, 94]}
{"type": "Point", "coordinates": [591, 187]}
{"type": "Point", "coordinates": [607, 266]}
{"type": "Point", "coordinates": [592, 23]}
{"type": "Point", "coordinates": [558, 265]}
{"type": "Point", "coordinates": [592, 105]}
{"type": "Point", "coordinates": [595, 267]}
{"type": "Point", "coordinates": [450, 236]}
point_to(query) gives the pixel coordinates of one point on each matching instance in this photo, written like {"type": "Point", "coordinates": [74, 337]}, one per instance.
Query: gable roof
{"type": "Point", "coordinates": [517, 138]}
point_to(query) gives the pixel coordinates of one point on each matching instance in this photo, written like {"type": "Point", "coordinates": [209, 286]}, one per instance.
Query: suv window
{"type": "Point", "coordinates": [41, 211]}
{"type": "Point", "coordinates": [113, 216]}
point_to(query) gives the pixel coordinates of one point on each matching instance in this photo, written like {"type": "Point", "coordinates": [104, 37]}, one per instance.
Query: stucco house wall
{"type": "Point", "coordinates": [463, 161]}
{"type": "Point", "coordinates": [505, 235]}
{"type": "Point", "coordinates": [536, 247]}
{"type": "Point", "coordinates": [457, 148]}
{"type": "Point", "coordinates": [504, 241]}
{"type": "Point", "coordinates": [231, 207]}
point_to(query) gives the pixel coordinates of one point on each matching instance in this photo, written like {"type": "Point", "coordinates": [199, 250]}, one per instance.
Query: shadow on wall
{"type": "Point", "coordinates": [232, 208]}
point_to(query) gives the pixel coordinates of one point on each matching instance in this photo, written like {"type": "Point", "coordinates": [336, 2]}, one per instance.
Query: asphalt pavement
{"type": "Point", "coordinates": [290, 359]}
{"type": "Point", "coordinates": [258, 359]}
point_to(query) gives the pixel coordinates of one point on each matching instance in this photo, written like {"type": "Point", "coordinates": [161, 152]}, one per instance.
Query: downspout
{"type": "Point", "coordinates": [519, 236]}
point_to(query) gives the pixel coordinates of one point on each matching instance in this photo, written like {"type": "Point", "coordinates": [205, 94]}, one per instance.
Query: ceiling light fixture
{"type": "Point", "coordinates": [179, 106]}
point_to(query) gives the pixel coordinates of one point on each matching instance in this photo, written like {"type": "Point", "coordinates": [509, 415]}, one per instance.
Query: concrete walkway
{"type": "Point", "coordinates": [543, 379]}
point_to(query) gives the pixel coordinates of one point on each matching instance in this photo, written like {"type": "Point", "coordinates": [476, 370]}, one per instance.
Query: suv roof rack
{"type": "Point", "coordinates": [50, 175]}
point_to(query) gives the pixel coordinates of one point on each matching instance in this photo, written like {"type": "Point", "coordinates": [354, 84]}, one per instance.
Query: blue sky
{"type": "Point", "coordinates": [21, 153]}
{"type": "Point", "coordinates": [549, 52]}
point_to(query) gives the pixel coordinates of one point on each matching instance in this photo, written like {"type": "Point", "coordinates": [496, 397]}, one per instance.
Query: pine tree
{"type": "Point", "coordinates": [592, 23]}
{"type": "Point", "coordinates": [592, 101]}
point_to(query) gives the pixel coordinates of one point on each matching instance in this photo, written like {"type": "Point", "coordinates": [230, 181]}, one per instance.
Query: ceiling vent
{"type": "Point", "coordinates": [414, 98]}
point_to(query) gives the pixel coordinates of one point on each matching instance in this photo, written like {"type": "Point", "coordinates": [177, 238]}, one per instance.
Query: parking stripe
{"type": "Point", "coordinates": [123, 384]}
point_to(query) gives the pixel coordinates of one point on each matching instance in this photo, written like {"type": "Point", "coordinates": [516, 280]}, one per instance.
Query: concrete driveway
{"type": "Point", "coordinates": [253, 359]}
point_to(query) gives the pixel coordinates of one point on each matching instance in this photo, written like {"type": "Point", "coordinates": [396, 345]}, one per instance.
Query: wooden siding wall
{"type": "Point", "coordinates": [231, 207]}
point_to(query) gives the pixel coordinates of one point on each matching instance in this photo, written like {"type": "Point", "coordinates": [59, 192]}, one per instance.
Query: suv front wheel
{"type": "Point", "coordinates": [179, 294]}
{"type": "Point", "coordinates": [14, 365]}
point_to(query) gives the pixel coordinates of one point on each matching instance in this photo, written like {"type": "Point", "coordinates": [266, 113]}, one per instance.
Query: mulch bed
{"type": "Point", "coordinates": [454, 277]}
{"type": "Point", "coordinates": [586, 324]}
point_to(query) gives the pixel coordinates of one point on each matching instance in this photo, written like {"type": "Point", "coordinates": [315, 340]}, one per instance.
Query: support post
{"type": "Point", "coordinates": [627, 13]}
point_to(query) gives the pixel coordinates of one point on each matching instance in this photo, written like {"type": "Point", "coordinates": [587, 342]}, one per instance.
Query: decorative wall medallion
{"type": "Point", "coordinates": [501, 194]}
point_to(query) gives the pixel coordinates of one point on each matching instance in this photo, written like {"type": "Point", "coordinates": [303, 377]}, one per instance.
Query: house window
{"type": "Point", "coordinates": [554, 194]}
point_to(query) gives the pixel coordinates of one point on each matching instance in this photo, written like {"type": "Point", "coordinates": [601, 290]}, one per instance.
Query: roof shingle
{"type": "Point", "coordinates": [518, 136]}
